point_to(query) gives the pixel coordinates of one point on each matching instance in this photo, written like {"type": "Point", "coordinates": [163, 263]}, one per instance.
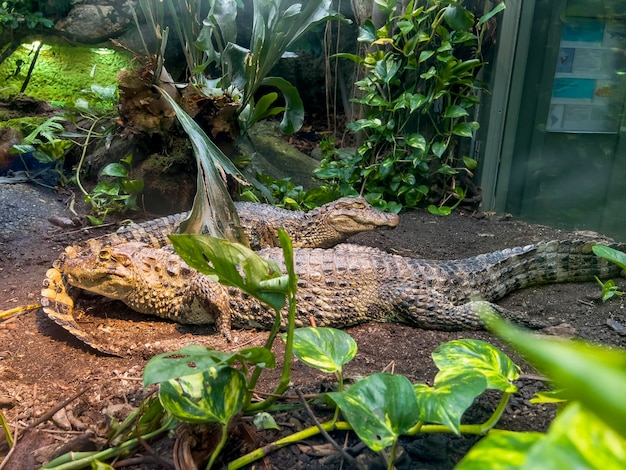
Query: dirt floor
{"type": "Point", "coordinates": [41, 365]}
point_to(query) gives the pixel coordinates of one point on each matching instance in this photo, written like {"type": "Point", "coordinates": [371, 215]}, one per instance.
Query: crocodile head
{"type": "Point", "coordinates": [353, 215]}
{"type": "Point", "coordinates": [99, 268]}
{"type": "Point", "coordinates": [148, 280]}
{"type": "Point", "coordinates": [349, 216]}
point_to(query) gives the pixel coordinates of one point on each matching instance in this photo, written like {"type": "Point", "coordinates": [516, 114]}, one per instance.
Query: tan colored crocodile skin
{"type": "Point", "coordinates": [338, 287]}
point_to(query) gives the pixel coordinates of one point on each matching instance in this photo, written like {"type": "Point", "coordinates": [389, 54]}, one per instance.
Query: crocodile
{"type": "Point", "coordinates": [338, 287]}
{"type": "Point", "coordinates": [322, 227]}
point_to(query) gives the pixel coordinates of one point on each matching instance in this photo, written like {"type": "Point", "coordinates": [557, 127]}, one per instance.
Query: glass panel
{"type": "Point", "coordinates": [569, 157]}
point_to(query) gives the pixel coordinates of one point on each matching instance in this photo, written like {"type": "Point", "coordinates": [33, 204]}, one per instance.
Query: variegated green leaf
{"type": "Point", "coordinates": [192, 359]}
{"type": "Point", "coordinates": [455, 111]}
{"type": "Point", "coordinates": [594, 375]}
{"type": "Point", "coordinates": [380, 408]}
{"type": "Point", "coordinates": [265, 420]}
{"type": "Point", "coordinates": [465, 129]}
{"type": "Point", "coordinates": [451, 395]}
{"type": "Point", "coordinates": [472, 354]}
{"type": "Point", "coordinates": [502, 450]}
{"type": "Point", "coordinates": [234, 265]}
{"type": "Point", "coordinates": [325, 349]}
{"type": "Point", "coordinates": [578, 439]}
{"type": "Point", "coordinates": [214, 395]}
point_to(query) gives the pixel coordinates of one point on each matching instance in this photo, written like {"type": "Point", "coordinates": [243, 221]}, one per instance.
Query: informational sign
{"type": "Point", "coordinates": [589, 87]}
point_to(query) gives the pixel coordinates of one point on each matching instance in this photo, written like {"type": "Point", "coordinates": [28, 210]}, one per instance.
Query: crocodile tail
{"type": "Point", "coordinates": [547, 262]}
{"type": "Point", "coordinates": [59, 307]}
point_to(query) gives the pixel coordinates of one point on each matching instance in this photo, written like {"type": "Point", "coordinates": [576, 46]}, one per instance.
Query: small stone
{"type": "Point", "coordinates": [564, 330]}
{"type": "Point", "coordinates": [617, 326]}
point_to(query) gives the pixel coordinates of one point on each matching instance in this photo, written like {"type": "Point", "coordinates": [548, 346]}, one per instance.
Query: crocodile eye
{"type": "Point", "coordinates": [104, 255]}
{"type": "Point", "coordinates": [122, 259]}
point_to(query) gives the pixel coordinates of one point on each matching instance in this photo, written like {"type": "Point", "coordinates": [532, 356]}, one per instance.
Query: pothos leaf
{"type": "Point", "coordinates": [325, 349]}
{"type": "Point", "coordinates": [213, 395]}
{"type": "Point", "coordinates": [380, 408]}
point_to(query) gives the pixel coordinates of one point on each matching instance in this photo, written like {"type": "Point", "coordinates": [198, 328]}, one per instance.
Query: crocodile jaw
{"type": "Point", "coordinates": [93, 269]}
{"type": "Point", "coordinates": [113, 285]}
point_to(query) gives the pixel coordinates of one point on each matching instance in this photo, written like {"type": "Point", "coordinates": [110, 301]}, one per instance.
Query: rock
{"type": "Point", "coordinates": [273, 156]}
{"type": "Point", "coordinates": [92, 24]}
{"type": "Point", "coordinates": [564, 330]}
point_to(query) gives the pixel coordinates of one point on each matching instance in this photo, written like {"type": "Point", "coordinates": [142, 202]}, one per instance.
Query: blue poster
{"type": "Point", "coordinates": [576, 88]}
{"type": "Point", "coordinates": [583, 31]}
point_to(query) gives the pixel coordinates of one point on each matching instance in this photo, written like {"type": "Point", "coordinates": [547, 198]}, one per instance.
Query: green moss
{"type": "Point", "coordinates": [24, 124]}
{"type": "Point", "coordinates": [61, 71]}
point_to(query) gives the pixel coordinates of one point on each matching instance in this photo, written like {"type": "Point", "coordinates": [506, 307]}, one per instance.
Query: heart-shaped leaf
{"type": "Point", "coordinates": [459, 356]}
{"type": "Point", "coordinates": [325, 349]}
{"type": "Point", "coordinates": [451, 395]}
{"type": "Point", "coordinates": [213, 395]}
{"type": "Point", "coordinates": [380, 408]}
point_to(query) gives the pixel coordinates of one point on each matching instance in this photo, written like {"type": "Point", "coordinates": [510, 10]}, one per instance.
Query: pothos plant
{"type": "Point", "coordinates": [417, 94]}
{"type": "Point", "coordinates": [609, 288]}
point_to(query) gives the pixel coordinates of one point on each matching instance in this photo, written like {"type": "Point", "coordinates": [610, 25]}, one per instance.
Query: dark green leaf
{"type": "Point", "coordinates": [294, 108]}
{"type": "Point", "coordinates": [367, 32]}
{"type": "Point", "coordinates": [386, 69]}
{"type": "Point", "coordinates": [115, 169]}
{"type": "Point", "coordinates": [487, 16]}
{"type": "Point", "coordinates": [458, 18]}
{"type": "Point", "coordinates": [425, 55]}
{"type": "Point", "coordinates": [234, 59]}
{"type": "Point", "coordinates": [416, 101]}
{"type": "Point", "coordinates": [406, 27]}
